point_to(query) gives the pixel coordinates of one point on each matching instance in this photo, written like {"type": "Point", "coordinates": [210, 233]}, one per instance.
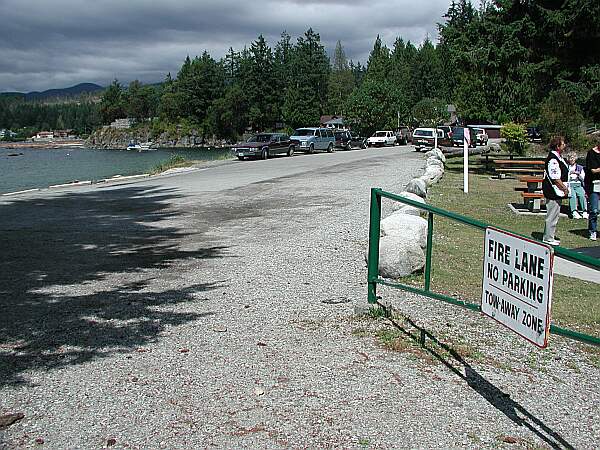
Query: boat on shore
{"type": "Point", "coordinates": [140, 147]}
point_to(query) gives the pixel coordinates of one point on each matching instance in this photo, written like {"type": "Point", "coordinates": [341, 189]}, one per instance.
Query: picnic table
{"type": "Point", "coordinates": [519, 166]}
{"type": "Point", "coordinates": [532, 195]}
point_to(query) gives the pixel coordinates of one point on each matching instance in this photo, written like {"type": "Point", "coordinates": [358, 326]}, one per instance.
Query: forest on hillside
{"type": "Point", "coordinates": [524, 61]}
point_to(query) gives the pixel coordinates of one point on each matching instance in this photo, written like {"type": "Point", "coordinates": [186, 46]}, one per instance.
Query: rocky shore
{"type": "Point", "coordinates": [111, 138]}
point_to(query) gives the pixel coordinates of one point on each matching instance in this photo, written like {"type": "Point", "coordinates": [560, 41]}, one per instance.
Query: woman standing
{"type": "Point", "coordinates": [592, 173]}
{"type": "Point", "coordinates": [556, 174]}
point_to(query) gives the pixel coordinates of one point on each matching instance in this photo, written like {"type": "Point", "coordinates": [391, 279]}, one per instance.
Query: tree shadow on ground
{"type": "Point", "coordinates": [493, 395]}
{"type": "Point", "coordinates": [76, 280]}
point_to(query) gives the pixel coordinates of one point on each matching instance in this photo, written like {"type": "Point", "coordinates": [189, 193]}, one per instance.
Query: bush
{"type": "Point", "coordinates": [516, 138]}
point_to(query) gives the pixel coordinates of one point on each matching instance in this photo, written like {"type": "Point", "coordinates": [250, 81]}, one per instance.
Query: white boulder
{"type": "Point", "coordinates": [436, 153]}
{"type": "Point", "coordinates": [433, 161]}
{"type": "Point", "coordinates": [432, 174]}
{"type": "Point", "coordinates": [418, 187]}
{"type": "Point", "coordinates": [399, 257]}
{"type": "Point", "coordinates": [405, 227]}
{"type": "Point", "coordinates": [408, 209]}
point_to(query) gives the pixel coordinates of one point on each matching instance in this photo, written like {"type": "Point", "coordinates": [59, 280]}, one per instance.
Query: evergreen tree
{"type": "Point", "coordinates": [378, 66]}
{"type": "Point", "coordinates": [307, 94]}
{"type": "Point", "coordinates": [341, 81]}
{"type": "Point", "coordinates": [258, 86]}
{"type": "Point", "coordinates": [112, 105]}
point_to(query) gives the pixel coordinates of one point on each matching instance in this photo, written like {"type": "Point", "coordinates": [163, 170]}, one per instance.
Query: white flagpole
{"type": "Point", "coordinates": [466, 141]}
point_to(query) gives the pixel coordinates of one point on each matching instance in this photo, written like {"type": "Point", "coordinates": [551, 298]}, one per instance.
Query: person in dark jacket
{"type": "Point", "coordinates": [592, 174]}
{"type": "Point", "coordinates": [554, 186]}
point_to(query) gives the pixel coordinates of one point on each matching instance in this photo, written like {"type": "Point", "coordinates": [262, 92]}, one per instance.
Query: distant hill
{"type": "Point", "coordinates": [73, 91]}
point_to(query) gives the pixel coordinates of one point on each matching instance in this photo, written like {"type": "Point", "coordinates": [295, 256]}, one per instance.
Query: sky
{"type": "Point", "coordinates": [47, 44]}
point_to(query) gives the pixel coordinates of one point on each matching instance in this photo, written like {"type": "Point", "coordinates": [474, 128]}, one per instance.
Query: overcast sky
{"type": "Point", "coordinates": [58, 43]}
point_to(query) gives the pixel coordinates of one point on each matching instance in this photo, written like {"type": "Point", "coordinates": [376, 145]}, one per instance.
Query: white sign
{"type": "Point", "coordinates": [517, 284]}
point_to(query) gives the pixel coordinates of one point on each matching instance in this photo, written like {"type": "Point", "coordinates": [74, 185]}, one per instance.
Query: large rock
{"type": "Point", "coordinates": [406, 227]}
{"type": "Point", "coordinates": [436, 153]}
{"type": "Point", "coordinates": [433, 161]}
{"type": "Point", "coordinates": [432, 175]}
{"type": "Point", "coordinates": [418, 187]}
{"type": "Point", "coordinates": [399, 257]}
{"type": "Point", "coordinates": [398, 206]}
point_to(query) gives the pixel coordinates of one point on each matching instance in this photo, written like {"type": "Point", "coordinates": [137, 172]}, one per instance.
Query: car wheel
{"type": "Point", "coordinates": [311, 148]}
{"type": "Point", "coordinates": [241, 158]}
{"type": "Point", "coordinates": [290, 151]}
{"type": "Point", "coordinates": [330, 148]}
{"type": "Point", "coordinates": [265, 154]}
{"type": "Point", "coordinates": [348, 146]}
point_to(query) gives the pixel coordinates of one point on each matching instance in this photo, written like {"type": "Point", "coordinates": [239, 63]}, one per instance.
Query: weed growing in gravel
{"type": "Point", "coordinates": [363, 442]}
{"type": "Point", "coordinates": [377, 312]}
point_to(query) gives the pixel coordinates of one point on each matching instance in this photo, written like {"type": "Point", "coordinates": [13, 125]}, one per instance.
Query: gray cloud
{"type": "Point", "coordinates": [48, 44]}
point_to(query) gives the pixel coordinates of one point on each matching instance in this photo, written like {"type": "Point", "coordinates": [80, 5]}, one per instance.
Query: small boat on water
{"type": "Point", "coordinates": [140, 147]}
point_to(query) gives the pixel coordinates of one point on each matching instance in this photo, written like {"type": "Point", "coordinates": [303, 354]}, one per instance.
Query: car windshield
{"type": "Point", "coordinates": [424, 133]}
{"type": "Point", "coordinates": [458, 132]}
{"type": "Point", "coordinates": [380, 134]}
{"type": "Point", "coordinates": [303, 132]}
{"type": "Point", "coordinates": [260, 138]}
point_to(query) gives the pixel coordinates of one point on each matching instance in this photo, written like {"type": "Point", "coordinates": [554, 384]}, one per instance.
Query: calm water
{"type": "Point", "coordinates": [39, 168]}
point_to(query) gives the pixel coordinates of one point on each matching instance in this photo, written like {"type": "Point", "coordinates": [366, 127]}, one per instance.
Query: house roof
{"type": "Point", "coordinates": [327, 118]}
{"type": "Point", "coordinates": [338, 121]}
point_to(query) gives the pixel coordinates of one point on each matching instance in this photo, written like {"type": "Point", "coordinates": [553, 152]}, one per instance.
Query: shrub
{"type": "Point", "coordinates": [516, 138]}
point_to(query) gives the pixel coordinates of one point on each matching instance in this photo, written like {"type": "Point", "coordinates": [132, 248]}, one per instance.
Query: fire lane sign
{"type": "Point", "coordinates": [517, 284]}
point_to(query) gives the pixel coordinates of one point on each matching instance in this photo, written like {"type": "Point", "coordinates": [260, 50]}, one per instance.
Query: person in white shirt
{"type": "Point", "coordinates": [555, 187]}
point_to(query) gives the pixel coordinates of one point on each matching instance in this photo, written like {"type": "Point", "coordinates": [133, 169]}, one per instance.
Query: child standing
{"type": "Point", "coordinates": [576, 180]}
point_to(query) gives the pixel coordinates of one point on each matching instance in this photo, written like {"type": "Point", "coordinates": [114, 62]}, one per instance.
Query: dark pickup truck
{"type": "Point", "coordinates": [264, 145]}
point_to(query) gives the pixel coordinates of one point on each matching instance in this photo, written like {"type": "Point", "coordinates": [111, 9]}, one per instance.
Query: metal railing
{"type": "Point", "coordinates": [373, 278]}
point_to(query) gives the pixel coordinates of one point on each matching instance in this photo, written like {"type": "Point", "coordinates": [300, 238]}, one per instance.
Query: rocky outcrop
{"type": "Point", "coordinates": [107, 137]}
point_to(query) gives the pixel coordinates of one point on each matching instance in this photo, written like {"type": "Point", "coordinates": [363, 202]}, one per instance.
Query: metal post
{"type": "Point", "coordinates": [428, 250]}
{"type": "Point", "coordinates": [373, 264]}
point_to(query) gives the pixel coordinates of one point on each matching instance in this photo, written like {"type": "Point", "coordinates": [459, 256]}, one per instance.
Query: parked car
{"type": "Point", "coordinates": [358, 141]}
{"type": "Point", "coordinates": [534, 134]}
{"type": "Point", "coordinates": [312, 139]}
{"type": "Point", "coordinates": [458, 136]}
{"type": "Point", "coordinates": [403, 135]}
{"type": "Point", "coordinates": [447, 130]}
{"type": "Point", "coordinates": [348, 140]}
{"type": "Point", "coordinates": [264, 145]}
{"type": "Point", "coordinates": [343, 139]}
{"type": "Point", "coordinates": [425, 137]}
{"type": "Point", "coordinates": [381, 138]}
{"type": "Point", "coordinates": [481, 136]}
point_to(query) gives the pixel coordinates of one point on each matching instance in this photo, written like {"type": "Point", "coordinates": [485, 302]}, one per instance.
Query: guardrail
{"type": "Point", "coordinates": [373, 278]}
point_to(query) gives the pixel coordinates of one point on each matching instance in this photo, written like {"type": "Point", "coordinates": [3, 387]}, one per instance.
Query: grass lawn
{"type": "Point", "coordinates": [458, 248]}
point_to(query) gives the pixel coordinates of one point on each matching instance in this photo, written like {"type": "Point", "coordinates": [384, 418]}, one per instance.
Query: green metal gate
{"type": "Point", "coordinates": [373, 278]}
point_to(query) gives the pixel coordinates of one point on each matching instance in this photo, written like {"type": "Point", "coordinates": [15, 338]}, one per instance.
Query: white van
{"type": "Point", "coordinates": [382, 138]}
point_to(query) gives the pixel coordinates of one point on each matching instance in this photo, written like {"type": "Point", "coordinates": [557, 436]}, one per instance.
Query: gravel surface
{"type": "Point", "coordinates": [140, 317]}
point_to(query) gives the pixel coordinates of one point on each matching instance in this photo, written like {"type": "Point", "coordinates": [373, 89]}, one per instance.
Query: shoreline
{"type": "Point", "coordinates": [197, 165]}
{"type": "Point", "coordinates": [58, 144]}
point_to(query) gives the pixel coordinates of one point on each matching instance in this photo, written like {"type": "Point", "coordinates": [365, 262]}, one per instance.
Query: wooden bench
{"type": "Point", "coordinates": [533, 200]}
{"type": "Point", "coordinates": [519, 166]}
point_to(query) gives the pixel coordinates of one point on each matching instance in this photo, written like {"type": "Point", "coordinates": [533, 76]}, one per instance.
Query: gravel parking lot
{"type": "Point", "coordinates": [147, 316]}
